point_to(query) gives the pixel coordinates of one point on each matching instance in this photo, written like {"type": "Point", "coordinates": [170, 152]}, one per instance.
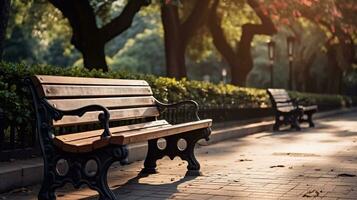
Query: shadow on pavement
{"type": "Point", "coordinates": [134, 188]}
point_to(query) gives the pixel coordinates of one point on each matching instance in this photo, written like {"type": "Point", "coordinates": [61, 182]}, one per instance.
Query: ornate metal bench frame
{"type": "Point", "coordinates": [77, 164]}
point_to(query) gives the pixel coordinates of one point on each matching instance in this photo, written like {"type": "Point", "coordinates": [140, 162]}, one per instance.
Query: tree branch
{"type": "Point", "coordinates": [218, 36]}
{"type": "Point", "coordinates": [267, 26]}
{"type": "Point", "coordinates": [124, 20]}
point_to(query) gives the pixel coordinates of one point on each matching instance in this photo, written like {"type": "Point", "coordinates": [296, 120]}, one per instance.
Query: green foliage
{"type": "Point", "coordinates": [324, 100]}
{"type": "Point", "coordinates": [38, 33]}
{"type": "Point", "coordinates": [16, 103]}
{"type": "Point", "coordinates": [143, 54]}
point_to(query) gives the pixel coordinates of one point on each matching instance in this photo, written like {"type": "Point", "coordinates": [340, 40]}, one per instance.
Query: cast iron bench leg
{"type": "Point", "coordinates": [76, 173]}
{"type": "Point", "coordinates": [171, 150]}
{"type": "Point", "coordinates": [277, 123]}
{"type": "Point", "coordinates": [295, 121]}
{"type": "Point", "coordinates": [46, 191]}
{"type": "Point", "coordinates": [309, 118]}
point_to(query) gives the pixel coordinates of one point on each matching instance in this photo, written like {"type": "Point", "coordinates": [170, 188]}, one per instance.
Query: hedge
{"type": "Point", "coordinates": [15, 97]}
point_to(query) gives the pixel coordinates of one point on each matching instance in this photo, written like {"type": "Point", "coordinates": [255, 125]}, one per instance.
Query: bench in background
{"type": "Point", "coordinates": [289, 111]}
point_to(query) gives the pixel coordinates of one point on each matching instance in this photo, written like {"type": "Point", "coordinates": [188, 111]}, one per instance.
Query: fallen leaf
{"type": "Point", "coordinates": [274, 166]}
{"type": "Point", "coordinates": [243, 160]}
{"type": "Point", "coordinates": [346, 175]}
{"type": "Point", "coordinates": [311, 193]}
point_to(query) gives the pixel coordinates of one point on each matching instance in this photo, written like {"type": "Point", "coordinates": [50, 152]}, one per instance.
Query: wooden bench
{"type": "Point", "coordinates": [289, 111]}
{"type": "Point", "coordinates": [120, 112]}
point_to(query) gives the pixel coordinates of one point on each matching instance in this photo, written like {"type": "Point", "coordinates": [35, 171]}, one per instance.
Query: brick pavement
{"type": "Point", "coordinates": [319, 163]}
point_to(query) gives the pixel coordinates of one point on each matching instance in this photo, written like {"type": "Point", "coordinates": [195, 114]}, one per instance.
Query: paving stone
{"type": "Point", "coordinates": [286, 165]}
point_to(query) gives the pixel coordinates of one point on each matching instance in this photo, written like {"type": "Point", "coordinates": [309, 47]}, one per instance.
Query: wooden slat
{"type": "Point", "coordinates": [85, 141]}
{"type": "Point", "coordinates": [277, 100]}
{"type": "Point", "coordinates": [281, 96]}
{"type": "Point", "coordinates": [89, 144]}
{"type": "Point", "coordinates": [95, 133]}
{"type": "Point", "coordinates": [286, 109]}
{"type": "Point", "coordinates": [144, 135]}
{"type": "Point", "coordinates": [88, 91]}
{"type": "Point", "coordinates": [117, 102]}
{"type": "Point", "coordinates": [284, 104]}
{"type": "Point", "coordinates": [117, 114]}
{"type": "Point", "coordinates": [44, 79]}
{"type": "Point", "coordinates": [132, 136]}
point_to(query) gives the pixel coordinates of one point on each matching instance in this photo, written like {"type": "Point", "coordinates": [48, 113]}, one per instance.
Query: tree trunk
{"type": "Point", "coordinates": [172, 38]}
{"type": "Point", "coordinates": [4, 18]}
{"type": "Point", "coordinates": [94, 56]}
{"type": "Point", "coordinates": [334, 71]}
{"type": "Point", "coordinates": [244, 57]}
{"type": "Point", "coordinates": [177, 34]}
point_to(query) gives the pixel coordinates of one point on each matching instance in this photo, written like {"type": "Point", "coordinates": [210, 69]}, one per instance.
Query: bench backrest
{"type": "Point", "coordinates": [280, 99]}
{"type": "Point", "coordinates": [125, 99]}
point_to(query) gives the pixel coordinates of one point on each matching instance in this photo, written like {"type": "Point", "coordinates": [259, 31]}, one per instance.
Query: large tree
{"type": "Point", "coordinates": [179, 30]}
{"type": "Point", "coordinates": [87, 36]}
{"type": "Point", "coordinates": [238, 56]}
{"type": "Point", "coordinates": [4, 17]}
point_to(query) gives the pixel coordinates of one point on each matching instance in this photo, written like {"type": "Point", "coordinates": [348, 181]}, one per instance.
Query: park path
{"type": "Point", "coordinates": [316, 163]}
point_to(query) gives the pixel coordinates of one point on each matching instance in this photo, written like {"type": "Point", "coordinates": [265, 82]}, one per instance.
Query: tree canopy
{"type": "Point", "coordinates": [186, 38]}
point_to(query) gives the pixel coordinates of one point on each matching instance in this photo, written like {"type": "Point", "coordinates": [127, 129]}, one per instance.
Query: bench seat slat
{"type": "Point", "coordinates": [281, 98]}
{"type": "Point", "coordinates": [89, 144]}
{"type": "Point", "coordinates": [284, 104]}
{"type": "Point", "coordinates": [144, 135]}
{"type": "Point", "coordinates": [117, 114]}
{"type": "Point", "coordinates": [126, 137]}
{"type": "Point", "coordinates": [286, 109]}
{"type": "Point", "coordinates": [86, 139]}
{"type": "Point", "coordinates": [95, 133]}
{"type": "Point", "coordinates": [45, 79]}
{"type": "Point", "coordinates": [117, 102]}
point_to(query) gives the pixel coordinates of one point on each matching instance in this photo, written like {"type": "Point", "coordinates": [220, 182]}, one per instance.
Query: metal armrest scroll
{"type": "Point", "coordinates": [164, 106]}
{"type": "Point", "coordinates": [102, 117]}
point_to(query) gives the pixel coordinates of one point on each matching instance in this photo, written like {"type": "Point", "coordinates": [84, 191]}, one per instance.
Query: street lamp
{"type": "Point", "coordinates": [271, 55]}
{"type": "Point", "coordinates": [224, 75]}
{"type": "Point", "coordinates": [290, 43]}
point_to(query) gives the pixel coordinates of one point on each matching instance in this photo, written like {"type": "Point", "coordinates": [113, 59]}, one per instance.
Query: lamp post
{"type": "Point", "coordinates": [271, 55]}
{"type": "Point", "coordinates": [224, 75]}
{"type": "Point", "coordinates": [290, 43]}
{"type": "Point", "coordinates": [2, 127]}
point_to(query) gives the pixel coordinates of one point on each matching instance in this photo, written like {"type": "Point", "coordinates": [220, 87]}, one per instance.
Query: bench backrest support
{"type": "Point", "coordinates": [125, 99]}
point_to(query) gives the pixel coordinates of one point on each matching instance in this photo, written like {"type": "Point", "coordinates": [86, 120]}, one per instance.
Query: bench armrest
{"type": "Point", "coordinates": [102, 117]}
{"type": "Point", "coordinates": [179, 111]}
{"type": "Point", "coordinates": [301, 100]}
{"type": "Point", "coordinates": [297, 102]}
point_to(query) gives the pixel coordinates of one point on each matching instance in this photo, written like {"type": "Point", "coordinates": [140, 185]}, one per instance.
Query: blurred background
{"type": "Point", "coordinates": [211, 40]}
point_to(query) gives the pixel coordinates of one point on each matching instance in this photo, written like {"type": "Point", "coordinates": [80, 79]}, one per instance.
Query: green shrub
{"type": "Point", "coordinates": [324, 100]}
{"type": "Point", "coordinates": [15, 97]}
